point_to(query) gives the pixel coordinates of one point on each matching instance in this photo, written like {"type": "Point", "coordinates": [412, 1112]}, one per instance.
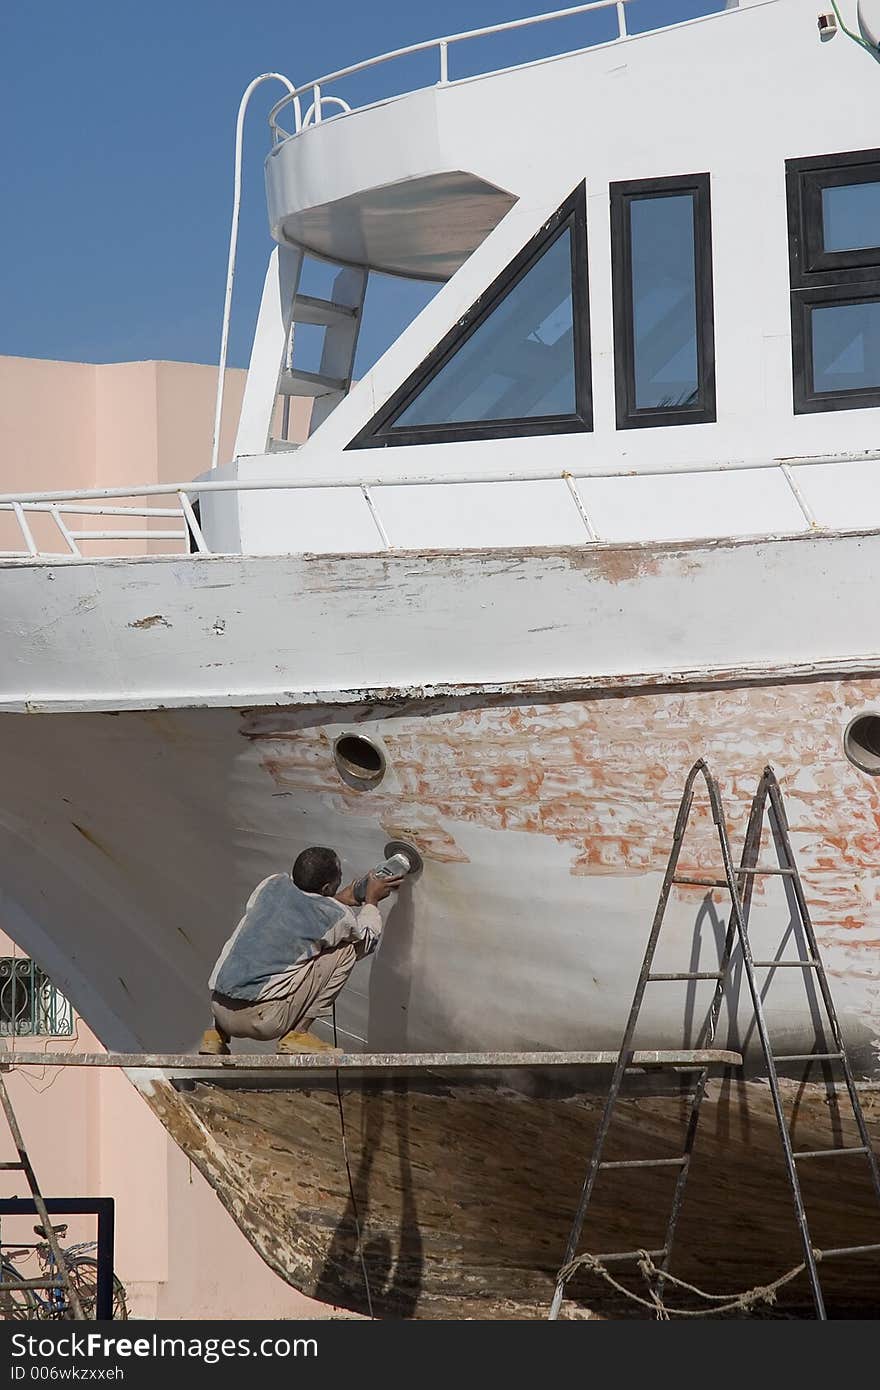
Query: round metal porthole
{"type": "Point", "coordinates": [359, 762]}
{"type": "Point", "coordinates": [861, 743]}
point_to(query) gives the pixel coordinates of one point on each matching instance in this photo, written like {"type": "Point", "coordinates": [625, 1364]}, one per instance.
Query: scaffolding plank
{"type": "Point", "coordinates": [363, 1061]}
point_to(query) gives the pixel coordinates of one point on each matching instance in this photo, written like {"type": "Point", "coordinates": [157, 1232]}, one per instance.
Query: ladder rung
{"type": "Point", "coordinates": [324, 312]}
{"type": "Point", "coordinates": [7, 1167]}
{"type": "Point", "coordinates": [786, 872]}
{"type": "Point", "coordinates": [810, 1057]}
{"type": "Point", "coordinates": [688, 975]}
{"type": "Point", "coordinates": [631, 1255]}
{"type": "Point", "coordinates": [827, 1153]}
{"type": "Point", "coordinates": [701, 882]}
{"type": "Point", "coordinates": [849, 1250]}
{"type": "Point", "coordinates": [788, 964]}
{"type": "Point", "coordinates": [300, 383]}
{"type": "Point", "coordinates": [645, 1163]}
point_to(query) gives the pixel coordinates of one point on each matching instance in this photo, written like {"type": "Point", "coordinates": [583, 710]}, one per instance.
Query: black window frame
{"type": "Point", "coordinates": [380, 432]}
{"type": "Point", "coordinates": [703, 411]}
{"type": "Point", "coordinates": [820, 277]}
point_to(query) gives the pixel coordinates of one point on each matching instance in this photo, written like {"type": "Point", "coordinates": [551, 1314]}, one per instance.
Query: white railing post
{"type": "Point", "coordinates": [621, 19]}
{"type": "Point", "coordinates": [444, 62]}
{"type": "Point", "coordinates": [806, 510]}
{"type": "Point", "coordinates": [579, 503]}
{"type": "Point", "coordinates": [192, 522]}
{"type": "Point", "coordinates": [374, 513]}
{"type": "Point", "coordinates": [68, 538]}
{"type": "Point", "coordinates": [316, 103]}
{"type": "Point", "coordinates": [25, 530]}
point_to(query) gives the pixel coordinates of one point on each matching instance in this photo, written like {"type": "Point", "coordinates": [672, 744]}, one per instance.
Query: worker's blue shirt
{"type": "Point", "coordinates": [282, 929]}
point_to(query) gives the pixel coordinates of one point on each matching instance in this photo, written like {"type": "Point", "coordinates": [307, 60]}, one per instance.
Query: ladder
{"type": "Point", "coordinates": [61, 1278]}
{"type": "Point", "coordinates": [739, 883]}
{"type": "Point", "coordinates": [272, 372]}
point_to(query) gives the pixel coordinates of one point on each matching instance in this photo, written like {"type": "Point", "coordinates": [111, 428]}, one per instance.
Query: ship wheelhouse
{"type": "Point", "coordinates": [722, 281]}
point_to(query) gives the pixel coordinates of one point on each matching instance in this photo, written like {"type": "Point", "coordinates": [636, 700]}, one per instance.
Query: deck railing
{"type": "Point", "coordinates": [314, 91]}
{"type": "Point", "coordinates": [61, 507]}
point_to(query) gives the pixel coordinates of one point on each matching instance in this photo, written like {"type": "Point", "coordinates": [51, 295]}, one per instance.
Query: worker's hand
{"type": "Point", "coordinates": [346, 895]}
{"type": "Point", "coordinates": [379, 888]}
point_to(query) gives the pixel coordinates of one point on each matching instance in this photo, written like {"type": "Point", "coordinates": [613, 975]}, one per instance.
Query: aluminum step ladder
{"type": "Point", "coordinates": [61, 1279]}
{"type": "Point", "coordinates": [767, 804]}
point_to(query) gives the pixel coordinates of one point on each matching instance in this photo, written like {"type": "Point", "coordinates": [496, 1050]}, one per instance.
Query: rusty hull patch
{"type": "Point", "coordinates": [604, 777]}
{"type": "Point", "coordinates": [460, 1218]}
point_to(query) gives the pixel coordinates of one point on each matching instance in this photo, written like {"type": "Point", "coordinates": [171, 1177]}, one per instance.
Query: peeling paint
{"type": "Point", "coordinates": [154, 620]}
{"type": "Point", "coordinates": [604, 776]}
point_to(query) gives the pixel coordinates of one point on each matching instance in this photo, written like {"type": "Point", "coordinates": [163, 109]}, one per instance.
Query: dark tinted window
{"type": "Point", "coordinates": [664, 301]}
{"type": "Point", "coordinates": [846, 346]}
{"type": "Point", "coordinates": [851, 216]}
{"type": "Point", "coordinates": [664, 355]}
{"type": "Point", "coordinates": [519, 362]}
{"type": "Point", "coordinates": [834, 259]}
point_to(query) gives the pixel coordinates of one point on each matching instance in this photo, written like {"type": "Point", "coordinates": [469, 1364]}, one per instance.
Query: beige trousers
{"type": "Point", "coordinates": [314, 992]}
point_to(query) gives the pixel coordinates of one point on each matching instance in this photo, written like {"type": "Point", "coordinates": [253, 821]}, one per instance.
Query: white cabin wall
{"type": "Point", "coordinates": [735, 94]}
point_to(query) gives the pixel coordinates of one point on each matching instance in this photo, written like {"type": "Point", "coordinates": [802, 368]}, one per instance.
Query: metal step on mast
{"type": "Point", "coordinates": [739, 883]}
{"type": "Point", "coordinates": [273, 372]}
{"type": "Point", "coordinates": [61, 1278]}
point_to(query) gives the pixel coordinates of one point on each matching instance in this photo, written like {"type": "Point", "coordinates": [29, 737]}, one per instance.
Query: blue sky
{"type": "Point", "coordinates": [117, 123]}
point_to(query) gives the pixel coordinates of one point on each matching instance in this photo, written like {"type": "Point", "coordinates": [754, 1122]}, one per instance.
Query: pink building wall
{"type": "Point", "coordinates": [66, 425]}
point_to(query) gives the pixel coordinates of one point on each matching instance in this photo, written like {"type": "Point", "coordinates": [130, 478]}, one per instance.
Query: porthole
{"type": "Point", "coordinates": [861, 743]}
{"type": "Point", "coordinates": [359, 762]}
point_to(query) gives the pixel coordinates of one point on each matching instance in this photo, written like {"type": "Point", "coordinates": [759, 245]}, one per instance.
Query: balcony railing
{"type": "Point", "coordinates": [316, 98]}
{"type": "Point", "coordinates": [58, 507]}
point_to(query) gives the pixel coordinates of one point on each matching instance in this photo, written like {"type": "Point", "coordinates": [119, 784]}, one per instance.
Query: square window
{"type": "Point", "coordinates": [851, 216]}
{"type": "Point", "coordinates": [846, 346]}
{"type": "Point", "coordinates": [834, 257]}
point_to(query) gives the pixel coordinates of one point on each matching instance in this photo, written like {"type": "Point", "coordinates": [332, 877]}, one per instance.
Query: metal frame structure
{"type": "Point", "coordinates": [739, 884]}
{"type": "Point", "coordinates": [30, 1004]}
{"type": "Point", "coordinates": [37, 1204]}
{"type": "Point", "coordinates": [104, 1208]}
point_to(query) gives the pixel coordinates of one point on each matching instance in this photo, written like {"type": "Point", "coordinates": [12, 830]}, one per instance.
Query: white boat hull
{"type": "Point", "coordinates": [130, 842]}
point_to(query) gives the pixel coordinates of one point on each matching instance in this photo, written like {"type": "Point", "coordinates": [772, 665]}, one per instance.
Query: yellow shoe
{"type": "Point", "coordinates": [213, 1044]}
{"type": "Point", "coordinates": [304, 1042]}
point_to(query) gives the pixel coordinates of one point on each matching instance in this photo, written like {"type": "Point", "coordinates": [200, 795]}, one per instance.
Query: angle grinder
{"type": "Point", "coordinates": [401, 861]}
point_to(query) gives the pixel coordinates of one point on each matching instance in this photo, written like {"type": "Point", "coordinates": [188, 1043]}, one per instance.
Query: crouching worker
{"type": "Point", "coordinates": [291, 953]}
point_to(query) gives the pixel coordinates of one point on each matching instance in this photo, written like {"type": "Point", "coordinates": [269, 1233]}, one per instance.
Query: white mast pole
{"type": "Point", "coordinates": [233, 245]}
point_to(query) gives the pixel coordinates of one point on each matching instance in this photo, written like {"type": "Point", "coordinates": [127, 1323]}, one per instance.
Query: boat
{"type": "Point", "coordinates": [607, 505]}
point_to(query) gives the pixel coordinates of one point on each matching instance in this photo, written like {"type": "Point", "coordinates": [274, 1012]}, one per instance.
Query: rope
{"type": "Point", "coordinates": [721, 1303]}
{"type": "Point", "coordinates": [856, 38]}
{"type": "Point", "coordinates": [354, 1205]}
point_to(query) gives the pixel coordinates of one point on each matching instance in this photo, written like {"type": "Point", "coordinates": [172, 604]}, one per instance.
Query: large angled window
{"type": "Point", "coordinates": [517, 363]}
{"type": "Point", "coordinates": [834, 256]}
{"type": "Point", "coordinates": [664, 354]}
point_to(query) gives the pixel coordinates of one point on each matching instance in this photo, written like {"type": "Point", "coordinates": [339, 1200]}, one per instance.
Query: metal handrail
{"type": "Point", "coordinates": [73, 502]}
{"type": "Point", "coordinates": [442, 45]}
